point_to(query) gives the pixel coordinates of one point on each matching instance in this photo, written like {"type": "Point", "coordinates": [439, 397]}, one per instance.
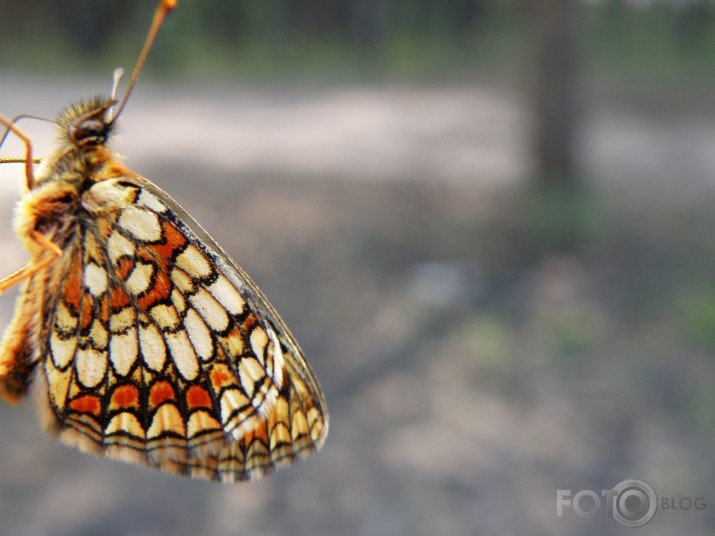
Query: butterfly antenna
{"type": "Point", "coordinates": [118, 73]}
{"type": "Point", "coordinates": [10, 123]}
{"type": "Point", "coordinates": [165, 7]}
{"type": "Point", "coordinates": [11, 126]}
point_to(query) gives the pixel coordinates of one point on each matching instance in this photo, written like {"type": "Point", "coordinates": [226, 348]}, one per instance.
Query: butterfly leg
{"type": "Point", "coordinates": [18, 352]}
{"type": "Point", "coordinates": [12, 127]}
{"type": "Point", "coordinates": [31, 269]}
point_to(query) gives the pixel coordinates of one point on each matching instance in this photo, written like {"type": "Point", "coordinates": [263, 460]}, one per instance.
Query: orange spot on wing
{"type": "Point", "coordinates": [124, 268]}
{"type": "Point", "coordinates": [144, 255]}
{"type": "Point", "coordinates": [87, 404]}
{"type": "Point", "coordinates": [160, 291]}
{"type": "Point", "coordinates": [257, 433]}
{"type": "Point", "coordinates": [119, 299]}
{"type": "Point", "coordinates": [221, 377]}
{"type": "Point", "coordinates": [73, 286]}
{"type": "Point", "coordinates": [173, 240]}
{"type": "Point", "coordinates": [262, 433]}
{"type": "Point", "coordinates": [249, 322]}
{"type": "Point", "coordinates": [104, 311]}
{"type": "Point", "coordinates": [161, 392]}
{"type": "Point", "coordinates": [125, 396]}
{"type": "Point", "coordinates": [87, 310]}
{"type": "Point", "coordinates": [197, 397]}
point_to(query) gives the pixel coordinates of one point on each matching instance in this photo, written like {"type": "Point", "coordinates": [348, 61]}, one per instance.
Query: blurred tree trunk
{"type": "Point", "coordinates": [368, 24]}
{"type": "Point", "coordinates": [89, 24]}
{"type": "Point", "coordinates": [465, 16]}
{"type": "Point", "coordinates": [693, 24]}
{"type": "Point", "coordinates": [554, 26]}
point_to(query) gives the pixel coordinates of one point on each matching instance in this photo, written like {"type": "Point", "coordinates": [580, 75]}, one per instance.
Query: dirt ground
{"type": "Point", "coordinates": [479, 350]}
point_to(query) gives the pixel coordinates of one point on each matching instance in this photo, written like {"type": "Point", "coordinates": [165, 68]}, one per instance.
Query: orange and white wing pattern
{"type": "Point", "coordinates": [158, 349]}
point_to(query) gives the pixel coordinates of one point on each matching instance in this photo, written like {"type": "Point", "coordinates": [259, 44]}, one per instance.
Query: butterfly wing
{"type": "Point", "coordinates": [158, 349]}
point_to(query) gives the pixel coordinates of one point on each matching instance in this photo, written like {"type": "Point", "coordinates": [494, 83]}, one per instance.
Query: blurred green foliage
{"type": "Point", "coordinates": [562, 218]}
{"type": "Point", "coordinates": [460, 37]}
{"type": "Point", "coordinates": [697, 305]}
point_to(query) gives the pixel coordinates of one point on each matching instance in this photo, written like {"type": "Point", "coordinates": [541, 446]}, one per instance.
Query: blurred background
{"type": "Point", "coordinates": [489, 223]}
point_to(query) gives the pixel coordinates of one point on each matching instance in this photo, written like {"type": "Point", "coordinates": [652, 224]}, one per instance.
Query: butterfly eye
{"type": "Point", "coordinates": [88, 132]}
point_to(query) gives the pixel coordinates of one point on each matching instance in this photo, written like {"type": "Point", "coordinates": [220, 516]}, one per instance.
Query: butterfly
{"type": "Point", "coordinates": [142, 339]}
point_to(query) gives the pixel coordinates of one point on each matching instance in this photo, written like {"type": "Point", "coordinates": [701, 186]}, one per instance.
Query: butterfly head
{"type": "Point", "coordinates": [86, 123]}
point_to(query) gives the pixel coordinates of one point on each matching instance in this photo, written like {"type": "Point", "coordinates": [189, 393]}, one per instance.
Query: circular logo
{"type": "Point", "coordinates": [634, 503]}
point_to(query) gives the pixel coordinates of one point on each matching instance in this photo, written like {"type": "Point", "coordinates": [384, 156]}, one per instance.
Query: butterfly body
{"type": "Point", "coordinates": [145, 341]}
{"type": "Point", "coordinates": [51, 207]}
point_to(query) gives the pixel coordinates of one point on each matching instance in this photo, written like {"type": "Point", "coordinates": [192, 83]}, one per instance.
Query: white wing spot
{"type": "Point", "coordinates": [118, 246]}
{"type": "Point", "coordinates": [149, 200]}
{"type": "Point", "coordinates": [211, 310]}
{"type": "Point", "coordinates": [201, 421]}
{"type": "Point", "coordinates": [182, 281]}
{"type": "Point", "coordinates": [125, 423]}
{"type": "Point", "coordinates": [259, 340]}
{"type": "Point", "coordinates": [183, 355]}
{"type": "Point", "coordinates": [58, 383]}
{"type": "Point", "coordinates": [165, 316]}
{"type": "Point", "coordinates": [91, 366]}
{"type": "Point", "coordinates": [98, 335]}
{"type": "Point", "coordinates": [107, 196]}
{"type": "Point", "coordinates": [62, 350]}
{"type": "Point", "coordinates": [122, 320]}
{"type": "Point", "coordinates": [166, 418]}
{"type": "Point", "coordinates": [153, 348]}
{"type": "Point", "coordinates": [177, 298]}
{"type": "Point", "coordinates": [95, 279]}
{"type": "Point", "coordinates": [193, 262]}
{"type": "Point", "coordinates": [278, 358]}
{"type": "Point", "coordinates": [140, 278]}
{"type": "Point", "coordinates": [250, 371]}
{"type": "Point", "coordinates": [141, 224]}
{"type": "Point", "coordinates": [64, 319]}
{"type": "Point", "coordinates": [123, 350]}
{"type": "Point", "coordinates": [199, 334]}
{"type": "Point", "coordinates": [227, 295]}
{"type": "Point", "coordinates": [231, 400]}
